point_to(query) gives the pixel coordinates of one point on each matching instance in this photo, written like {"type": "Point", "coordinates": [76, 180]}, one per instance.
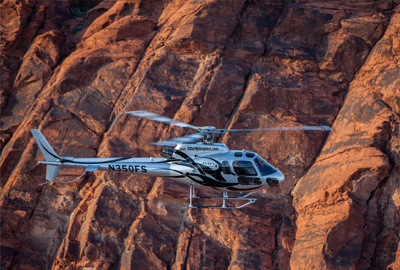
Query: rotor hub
{"type": "Point", "coordinates": [208, 130]}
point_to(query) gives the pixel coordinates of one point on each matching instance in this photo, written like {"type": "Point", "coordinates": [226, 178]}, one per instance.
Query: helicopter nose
{"type": "Point", "coordinates": [279, 176]}
{"type": "Point", "coordinates": [274, 179]}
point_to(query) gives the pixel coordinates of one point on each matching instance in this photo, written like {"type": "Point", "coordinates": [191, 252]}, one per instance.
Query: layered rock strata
{"type": "Point", "coordinates": [72, 68]}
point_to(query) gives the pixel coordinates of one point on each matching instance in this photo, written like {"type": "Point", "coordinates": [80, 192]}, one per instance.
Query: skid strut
{"type": "Point", "coordinates": [224, 198]}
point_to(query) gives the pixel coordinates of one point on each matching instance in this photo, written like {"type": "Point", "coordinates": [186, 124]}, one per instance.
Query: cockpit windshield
{"type": "Point", "coordinates": [264, 167]}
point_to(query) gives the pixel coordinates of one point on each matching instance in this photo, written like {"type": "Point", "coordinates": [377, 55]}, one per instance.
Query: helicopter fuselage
{"type": "Point", "coordinates": [213, 166]}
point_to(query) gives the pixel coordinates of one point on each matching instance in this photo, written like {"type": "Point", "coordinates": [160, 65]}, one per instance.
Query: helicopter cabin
{"type": "Point", "coordinates": [234, 166]}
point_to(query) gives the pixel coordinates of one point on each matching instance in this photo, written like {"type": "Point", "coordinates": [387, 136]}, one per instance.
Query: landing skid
{"type": "Point", "coordinates": [224, 197]}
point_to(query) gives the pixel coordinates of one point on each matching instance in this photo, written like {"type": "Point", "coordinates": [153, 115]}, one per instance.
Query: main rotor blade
{"type": "Point", "coordinates": [326, 128]}
{"type": "Point", "coordinates": [175, 141]}
{"type": "Point", "coordinates": [162, 119]}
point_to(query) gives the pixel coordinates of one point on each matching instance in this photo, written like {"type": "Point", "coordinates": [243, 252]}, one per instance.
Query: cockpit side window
{"type": "Point", "coordinates": [244, 168]}
{"type": "Point", "coordinates": [226, 169]}
{"type": "Point", "coordinates": [264, 167]}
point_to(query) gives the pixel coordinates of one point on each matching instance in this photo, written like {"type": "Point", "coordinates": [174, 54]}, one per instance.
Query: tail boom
{"type": "Point", "coordinates": [157, 167]}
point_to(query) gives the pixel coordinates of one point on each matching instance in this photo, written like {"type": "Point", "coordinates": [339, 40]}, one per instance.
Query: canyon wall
{"type": "Point", "coordinates": [73, 68]}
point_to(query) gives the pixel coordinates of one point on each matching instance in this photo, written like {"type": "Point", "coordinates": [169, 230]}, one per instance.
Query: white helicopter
{"type": "Point", "coordinates": [205, 164]}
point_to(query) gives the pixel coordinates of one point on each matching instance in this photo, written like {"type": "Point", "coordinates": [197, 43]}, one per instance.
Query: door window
{"type": "Point", "coordinates": [226, 169]}
{"type": "Point", "coordinates": [249, 181]}
{"type": "Point", "coordinates": [244, 168]}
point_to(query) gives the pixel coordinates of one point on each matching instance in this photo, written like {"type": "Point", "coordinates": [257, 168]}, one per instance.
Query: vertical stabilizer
{"type": "Point", "coordinates": [44, 146]}
{"type": "Point", "coordinates": [48, 153]}
{"type": "Point", "coordinates": [51, 172]}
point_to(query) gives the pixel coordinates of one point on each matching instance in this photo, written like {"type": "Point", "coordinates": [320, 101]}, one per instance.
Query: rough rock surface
{"type": "Point", "coordinates": [72, 68]}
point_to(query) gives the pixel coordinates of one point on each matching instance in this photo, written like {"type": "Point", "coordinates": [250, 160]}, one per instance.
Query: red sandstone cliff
{"type": "Point", "coordinates": [72, 68]}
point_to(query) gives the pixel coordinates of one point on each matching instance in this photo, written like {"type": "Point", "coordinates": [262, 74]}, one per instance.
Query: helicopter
{"type": "Point", "coordinates": [202, 164]}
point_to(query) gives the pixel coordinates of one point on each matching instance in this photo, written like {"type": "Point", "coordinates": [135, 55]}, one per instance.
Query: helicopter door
{"type": "Point", "coordinates": [226, 172]}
